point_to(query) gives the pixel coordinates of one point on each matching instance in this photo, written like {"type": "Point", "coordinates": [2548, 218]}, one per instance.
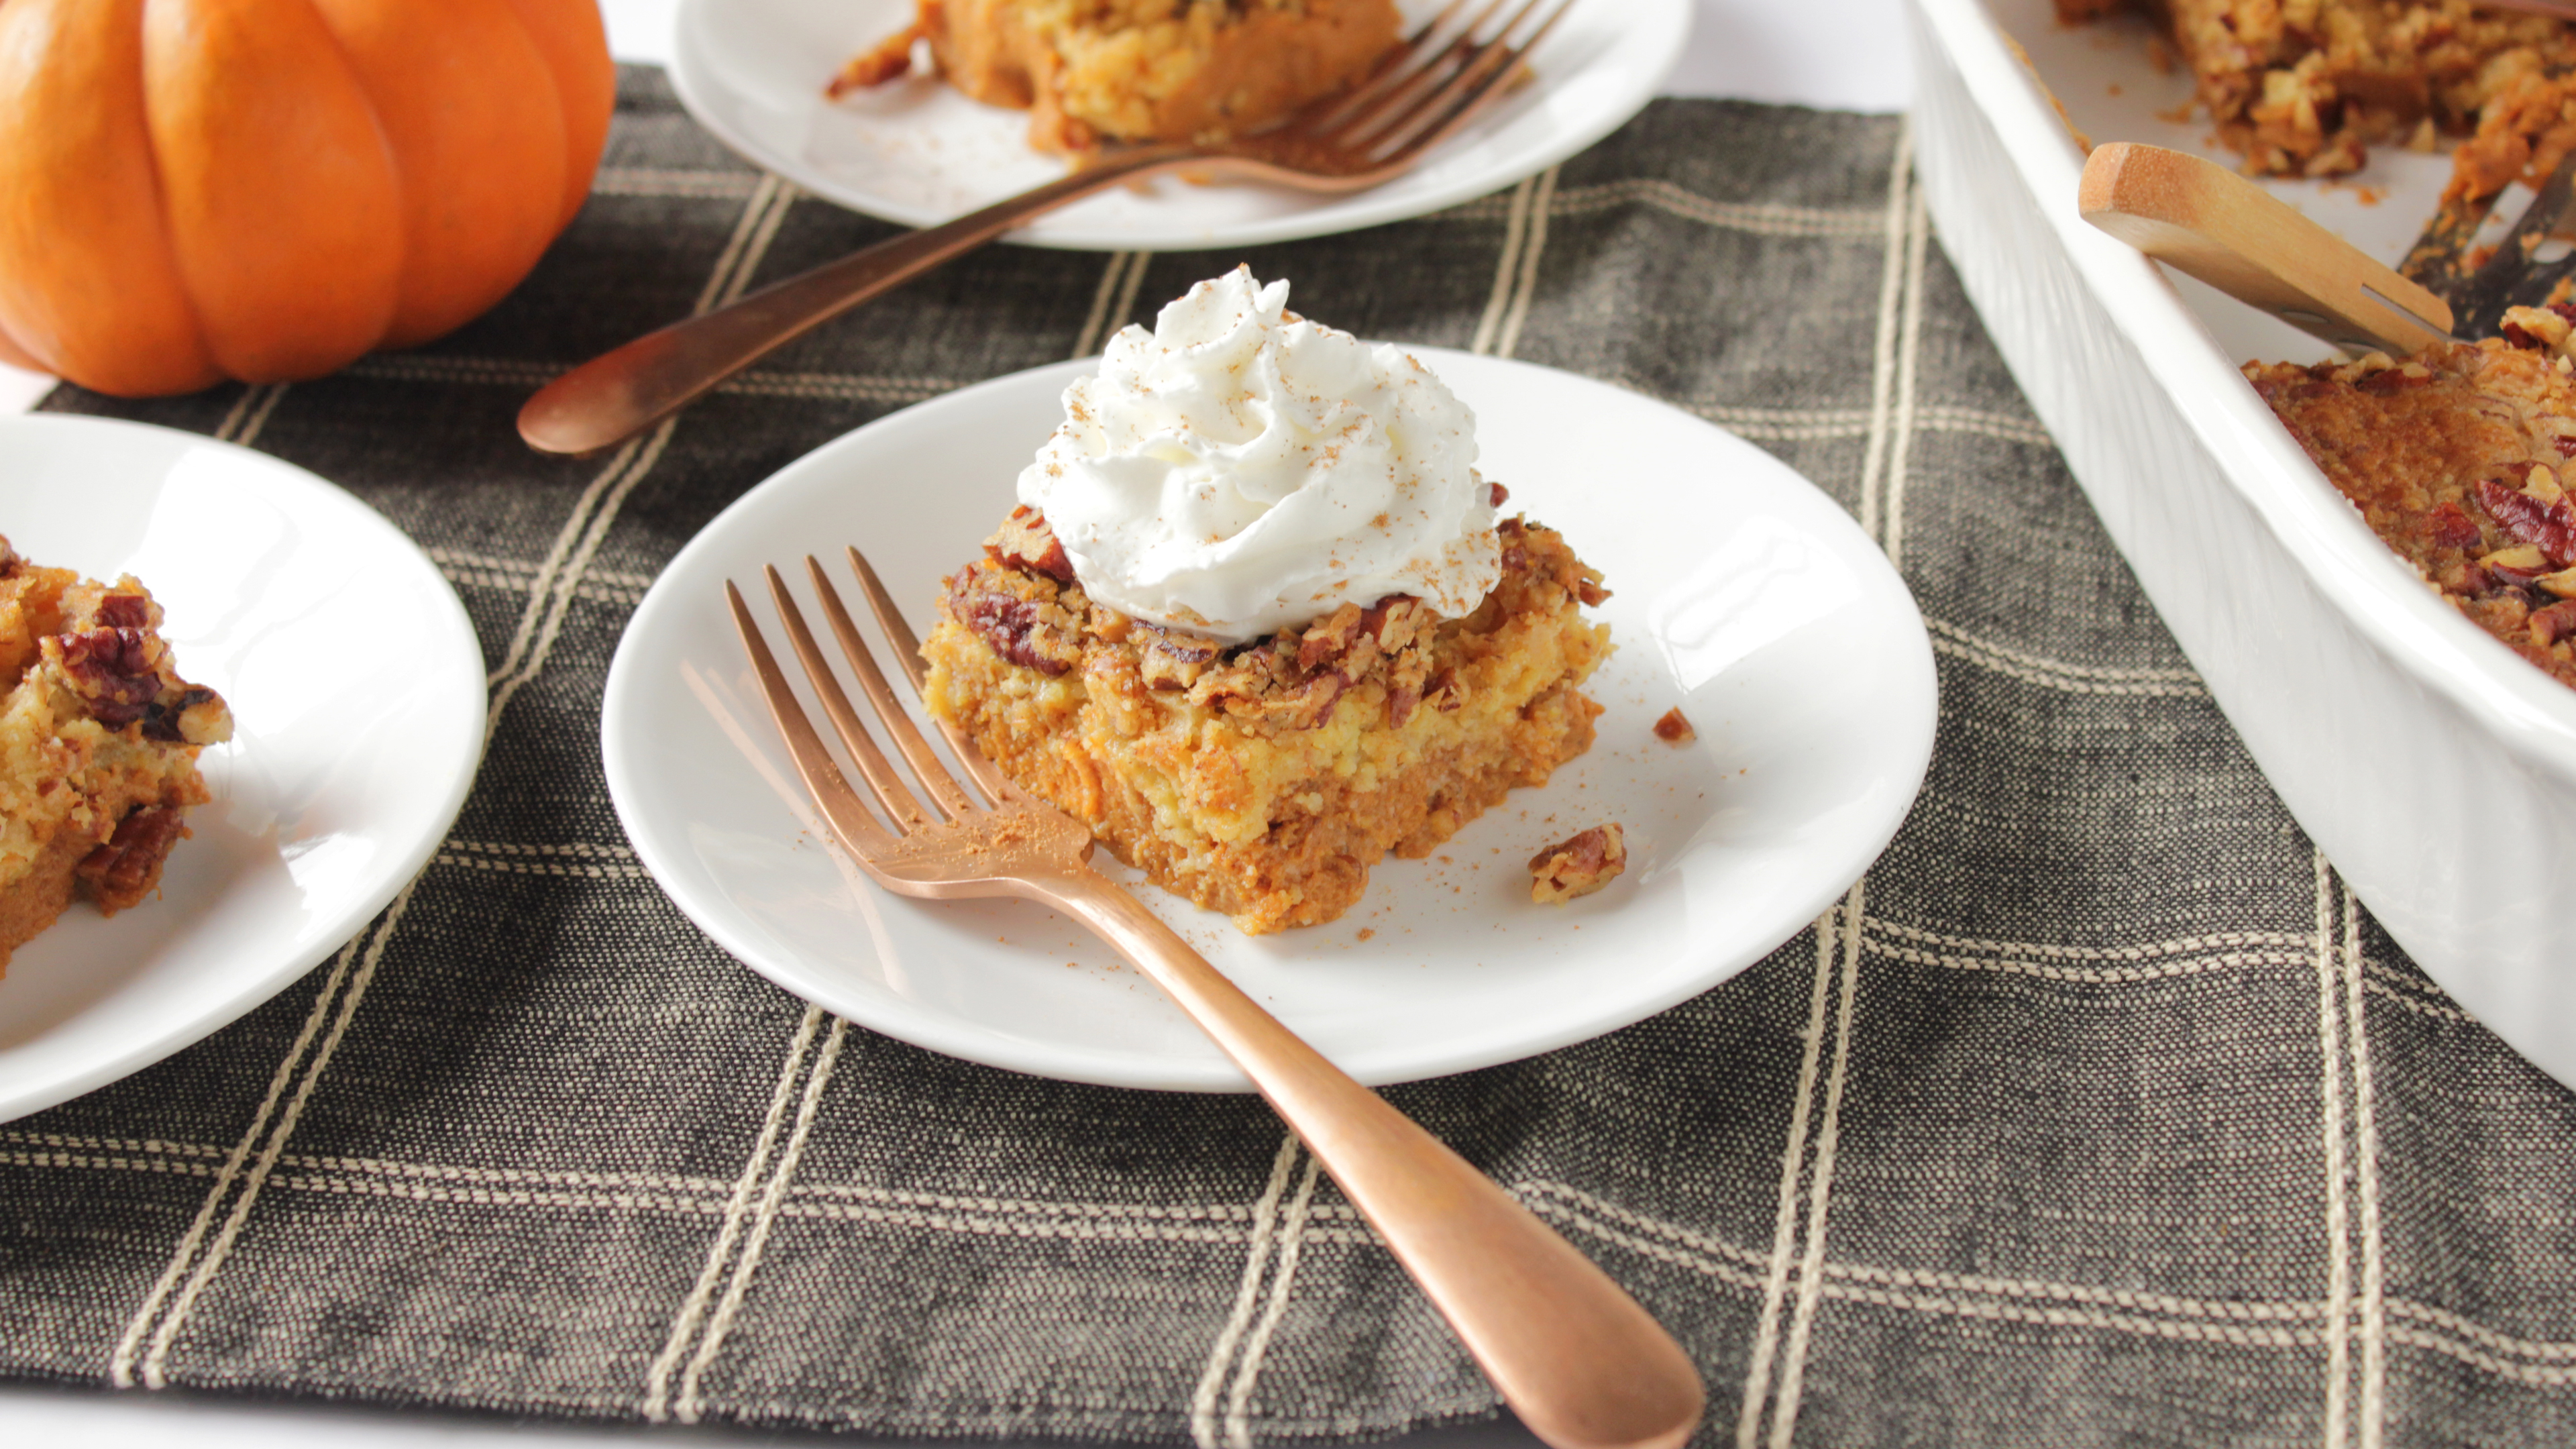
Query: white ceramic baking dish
{"type": "Point", "coordinates": [2435, 768]}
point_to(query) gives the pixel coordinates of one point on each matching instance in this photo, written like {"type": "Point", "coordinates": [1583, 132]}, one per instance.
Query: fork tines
{"type": "Point", "coordinates": [905, 809]}
{"type": "Point", "coordinates": [1434, 82]}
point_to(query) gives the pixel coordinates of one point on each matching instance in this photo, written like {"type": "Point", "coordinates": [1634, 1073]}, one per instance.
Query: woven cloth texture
{"type": "Point", "coordinates": [2099, 1112]}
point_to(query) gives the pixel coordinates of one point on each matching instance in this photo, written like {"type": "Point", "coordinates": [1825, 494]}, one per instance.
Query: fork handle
{"type": "Point", "coordinates": [1576, 1357]}
{"type": "Point", "coordinates": [627, 389]}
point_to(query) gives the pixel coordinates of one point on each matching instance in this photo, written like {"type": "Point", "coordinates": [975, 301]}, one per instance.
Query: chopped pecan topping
{"type": "Point", "coordinates": [195, 715]}
{"type": "Point", "coordinates": [1672, 729]}
{"type": "Point", "coordinates": [1010, 626]}
{"type": "Point", "coordinates": [1580, 865]}
{"type": "Point", "coordinates": [1588, 588]}
{"type": "Point", "coordinates": [1401, 701]}
{"type": "Point", "coordinates": [1025, 541]}
{"type": "Point", "coordinates": [114, 672]}
{"type": "Point", "coordinates": [120, 871]}
{"type": "Point", "coordinates": [2552, 526]}
{"type": "Point", "coordinates": [2397, 379]}
{"type": "Point", "coordinates": [1495, 493]}
{"type": "Point", "coordinates": [1396, 621]}
{"type": "Point", "coordinates": [2453, 528]}
{"type": "Point", "coordinates": [1173, 660]}
{"type": "Point", "coordinates": [125, 611]}
{"type": "Point", "coordinates": [1310, 707]}
{"type": "Point", "coordinates": [1329, 638]}
{"type": "Point", "coordinates": [2554, 623]}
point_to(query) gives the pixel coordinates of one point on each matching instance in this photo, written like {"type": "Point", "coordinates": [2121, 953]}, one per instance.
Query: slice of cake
{"type": "Point", "coordinates": [1256, 621]}
{"type": "Point", "coordinates": [98, 745]}
{"type": "Point", "coordinates": [2459, 459]}
{"type": "Point", "coordinates": [1138, 70]}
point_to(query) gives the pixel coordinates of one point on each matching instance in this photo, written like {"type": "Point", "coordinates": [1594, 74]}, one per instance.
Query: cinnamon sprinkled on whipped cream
{"type": "Point", "coordinates": [1240, 469]}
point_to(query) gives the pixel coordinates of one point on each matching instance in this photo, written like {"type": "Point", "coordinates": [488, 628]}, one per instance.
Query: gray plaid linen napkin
{"type": "Point", "coordinates": [2099, 1112]}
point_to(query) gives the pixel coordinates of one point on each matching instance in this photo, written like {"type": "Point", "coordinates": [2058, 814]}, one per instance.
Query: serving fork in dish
{"type": "Point", "coordinates": [1421, 93]}
{"type": "Point", "coordinates": [1581, 1363]}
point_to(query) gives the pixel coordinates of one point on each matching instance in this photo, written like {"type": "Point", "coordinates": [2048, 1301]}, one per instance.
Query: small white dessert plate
{"type": "Point", "coordinates": [917, 151]}
{"type": "Point", "coordinates": [1742, 594]}
{"type": "Point", "coordinates": [357, 693]}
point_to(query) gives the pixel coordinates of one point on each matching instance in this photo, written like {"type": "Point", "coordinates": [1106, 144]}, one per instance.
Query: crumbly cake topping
{"type": "Point", "coordinates": [1023, 600]}
{"type": "Point", "coordinates": [2460, 459]}
{"type": "Point", "coordinates": [2304, 87]}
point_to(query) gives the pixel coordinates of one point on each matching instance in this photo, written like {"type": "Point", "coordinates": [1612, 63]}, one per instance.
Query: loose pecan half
{"type": "Point", "coordinates": [1580, 865]}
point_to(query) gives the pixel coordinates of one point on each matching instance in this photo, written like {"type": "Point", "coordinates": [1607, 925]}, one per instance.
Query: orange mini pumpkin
{"type": "Point", "coordinates": [192, 190]}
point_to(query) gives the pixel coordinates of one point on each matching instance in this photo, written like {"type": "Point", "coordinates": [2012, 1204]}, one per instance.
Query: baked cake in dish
{"type": "Point", "coordinates": [2304, 87]}
{"type": "Point", "coordinates": [2460, 458]}
{"type": "Point", "coordinates": [98, 745]}
{"type": "Point", "coordinates": [1256, 621]}
{"type": "Point", "coordinates": [1138, 70]}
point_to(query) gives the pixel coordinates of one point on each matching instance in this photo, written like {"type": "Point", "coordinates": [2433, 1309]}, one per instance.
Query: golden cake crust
{"type": "Point", "coordinates": [1265, 780]}
{"type": "Point", "coordinates": [2454, 458]}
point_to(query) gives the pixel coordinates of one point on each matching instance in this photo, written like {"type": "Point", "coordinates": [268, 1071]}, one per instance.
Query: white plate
{"type": "Point", "coordinates": [917, 151]}
{"type": "Point", "coordinates": [1741, 594]}
{"type": "Point", "coordinates": [356, 686]}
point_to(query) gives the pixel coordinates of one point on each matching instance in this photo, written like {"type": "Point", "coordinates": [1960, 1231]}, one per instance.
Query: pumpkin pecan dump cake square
{"type": "Point", "coordinates": [1256, 619]}
{"type": "Point", "coordinates": [2460, 459]}
{"type": "Point", "coordinates": [1263, 780]}
{"type": "Point", "coordinates": [98, 745]}
{"type": "Point", "coordinates": [1137, 70]}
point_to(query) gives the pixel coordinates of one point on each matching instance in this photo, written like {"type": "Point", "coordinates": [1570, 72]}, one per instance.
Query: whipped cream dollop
{"type": "Point", "coordinates": [1240, 468]}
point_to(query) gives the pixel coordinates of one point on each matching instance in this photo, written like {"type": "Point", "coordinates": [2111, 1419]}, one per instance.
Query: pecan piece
{"type": "Point", "coordinates": [119, 873]}
{"type": "Point", "coordinates": [2552, 526]}
{"type": "Point", "coordinates": [1672, 729]}
{"type": "Point", "coordinates": [1580, 865]}
{"type": "Point", "coordinates": [2552, 624]}
{"type": "Point", "coordinates": [1401, 701]}
{"type": "Point", "coordinates": [1172, 660]}
{"type": "Point", "coordinates": [113, 671]}
{"type": "Point", "coordinates": [1310, 707]}
{"type": "Point", "coordinates": [1329, 638]}
{"type": "Point", "coordinates": [1009, 626]}
{"type": "Point", "coordinates": [2452, 527]}
{"type": "Point", "coordinates": [1025, 541]}
{"type": "Point", "coordinates": [1395, 621]}
{"type": "Point", "coordinates": [125, 611]}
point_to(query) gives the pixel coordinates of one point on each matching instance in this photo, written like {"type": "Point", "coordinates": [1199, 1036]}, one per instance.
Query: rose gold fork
{"type": "Point", "coordinates": [1575, 1357]}
{"type": "Point", "coordinates": [1418, 95]}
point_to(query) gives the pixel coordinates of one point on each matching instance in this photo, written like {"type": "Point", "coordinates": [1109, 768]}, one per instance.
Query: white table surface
{"type": "Point", "coordinates": [1842, 54]}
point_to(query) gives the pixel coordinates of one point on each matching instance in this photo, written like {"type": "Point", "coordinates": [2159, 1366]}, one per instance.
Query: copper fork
{"type": "Point", "coordinates": [1574, 1356]}
{"type": "Point", "coordinates": [1418, 95]}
